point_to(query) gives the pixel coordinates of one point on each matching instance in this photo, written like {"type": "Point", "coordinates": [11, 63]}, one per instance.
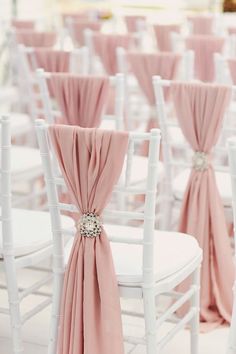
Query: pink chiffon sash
{"type": "Point", "coordinates": [106, 45]}
{"type": "Point", "coordinates": [32, 38]}
{"type": "Point", "coordinates": [163, 36]}
{"type": "Point", "coordinates": [91, 161]}
{"type": "Point", "coordinates": [81, 99]}
{"type": "Point", "coordinates": [200, 109]}
{"type": "Point", "coordinates": [79, 27]}
{"type": "Point", "coordinates": [52, 60]}
{"type": "Point", "coordinates": [145, 66]}
{"type": "Point", "coordinates": [231, 30]}
{"type": "Point", "coordinates": [232, 69]}
{"type": "Point", "coordinates": [202, 24]}
{"type": "Point", "coordinates": [23, 24]}
{"type": "Point", "coordinates": [131, 22]}
{"type": "Point", "coordinates": [204, 48]}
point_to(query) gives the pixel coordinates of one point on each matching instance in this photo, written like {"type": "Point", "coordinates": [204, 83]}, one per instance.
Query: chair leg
{"type": "Point", "coordinates": [57, 290]}
{"type": "Point", "coordinates": [14, 306]}
{"type": "Point", "coordinates": [150, 321]}
{"type": "Point", "coordinates": [194, 324]}
{"type": "Point", "coordinates": [231, 349]}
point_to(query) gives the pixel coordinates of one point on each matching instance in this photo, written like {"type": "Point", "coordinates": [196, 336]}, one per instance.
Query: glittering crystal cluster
{"type": "Point", "coordinates": [200, 161]}
{"type": "Point", "coordinates": [90, 225]}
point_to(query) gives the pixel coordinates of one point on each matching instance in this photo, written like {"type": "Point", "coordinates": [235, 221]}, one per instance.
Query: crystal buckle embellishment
{"type": "Point", "coordinates": [89, 225]}
{"type": "Point", "coordinates": [200, 161]}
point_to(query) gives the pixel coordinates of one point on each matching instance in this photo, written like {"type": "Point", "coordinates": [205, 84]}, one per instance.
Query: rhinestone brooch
{"type": "Point", "coordinates": [200, 161]}
{"type": "Point", "coordinates": [89, 225]}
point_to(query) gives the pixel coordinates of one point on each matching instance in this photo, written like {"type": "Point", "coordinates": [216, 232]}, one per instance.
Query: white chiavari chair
{"type": "Point", "coordinates": [178, 166]}
{"type": "Point", "coordinates": [147, 262]}
{"type": "Point", "coordinates": [25, 241]}
{"type": "Point", "coordinates": [231, 346]}
{"type": "Point", "coordinates": [113, 121]}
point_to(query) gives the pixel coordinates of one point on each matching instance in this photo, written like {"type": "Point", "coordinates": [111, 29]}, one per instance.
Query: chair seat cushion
{"type": "Point", "coordinates": [222, 180]}
{"type": "Point", "coordinates": [32, 230]}
{"type": "Point", "coordinates": [172, 252]}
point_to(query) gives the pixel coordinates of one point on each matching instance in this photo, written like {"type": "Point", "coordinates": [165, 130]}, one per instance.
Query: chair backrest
{"type": "Point", "coordinates": [117, 82]}
{"type": "Point", "coordinates": [32, 38]}
{"type": "Point", "coordinates": [5, 183]}
{"type": "Point", "coordinates": [163, 33]}
{"type": "Point", "coordinates": [22, 24]}
{"type": "Point", "coordinates": [77, 28]}
{"type": "Point", "coordinates": [102, 48]}
{"type": "Point", "coordinates": [186, 71]}
{"type": "Point", "coordinates": [135, 23]}
{"type": "Point", "coordinates": [204, 48]}
{"type": "Point", "coordinates": [170, 127]}
{"type": "Point", "coordinates": [202, 24]}
{"type": "Point", "coordinates": [77, 61]}
{"type": "Point", "coordinates": [148, 189]}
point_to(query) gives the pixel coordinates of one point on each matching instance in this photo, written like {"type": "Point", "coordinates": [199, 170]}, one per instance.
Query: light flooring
{"type": "Point", "coordinates": [35, 331]}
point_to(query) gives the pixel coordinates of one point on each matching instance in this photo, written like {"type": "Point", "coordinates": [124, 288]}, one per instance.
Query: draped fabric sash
{"type": "Point", "coordinates": [200, 109]}
{"type": "Point", "coordinates": [106, 45]}
{"type": "Point", "coordinates": [31, 38]}
{"type": "Point", "coordinates": [23, 24]}
{"type": "Point", "coordinates": [131, 22]}
{"type": "Point", "coordinates": [204, 48]}
{"type": "Point", "coordinates": [163, 36]}
{"type": "Point", "coordinates": [202, 24]}
{"type": "Point", "coordinates": [91, 161]}
{"type": "Point", "coordinates": [81, 99]}
{"type": "Point", "coordinates": [80, 26]}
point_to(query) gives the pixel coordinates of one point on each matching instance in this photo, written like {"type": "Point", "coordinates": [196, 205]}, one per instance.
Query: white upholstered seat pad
{"type": "Point", "coordinates": [172, 252]}
{"type": "Point", "coordinates": [24, 159]}
{"type": "Point", "coordinates": [222, 180]}
{"type": "Point", "coordinates": [32, 230]}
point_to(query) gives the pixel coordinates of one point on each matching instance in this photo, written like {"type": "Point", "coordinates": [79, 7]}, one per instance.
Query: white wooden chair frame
{"type": "Point", "coordinates": [148, 290]}
{"type": "Point", "coordinates": [231, 346]}
{"type": "Point", "coordinates": [12, 263]}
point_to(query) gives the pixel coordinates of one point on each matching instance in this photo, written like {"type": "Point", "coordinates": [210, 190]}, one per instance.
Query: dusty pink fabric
{"type": "Point", "coordinates": [163, 36]}
{"type": "Point", "coordinates": [131, 22]}
{"type": "Point", "coordinates": [81, 99]}
{"type": "Point", "coordinates": [202, 24]}
{"type": "Point", "coordinates": [145, 66]}
{"type": "Point", "coordinates": [105, 46]}
{"type": "Point", "coordinates": [79, 27]}
{"type": "Point", "coordinates": [204, 48]}
{"type": "Point", "coordinates": [232, 69]}
{"type": "Point", "coordinates": [200, 110]}
{"type": "Point", "coordinates": [23, 24]}
{"type": "Point", "coordinates": [52, 60]}
{"type": "Point", "coordinates": [32, 38]}
{"type": "Point", "coordinates": [91, 161]}
{"type": "Point", "coordinates": [232, 30]}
